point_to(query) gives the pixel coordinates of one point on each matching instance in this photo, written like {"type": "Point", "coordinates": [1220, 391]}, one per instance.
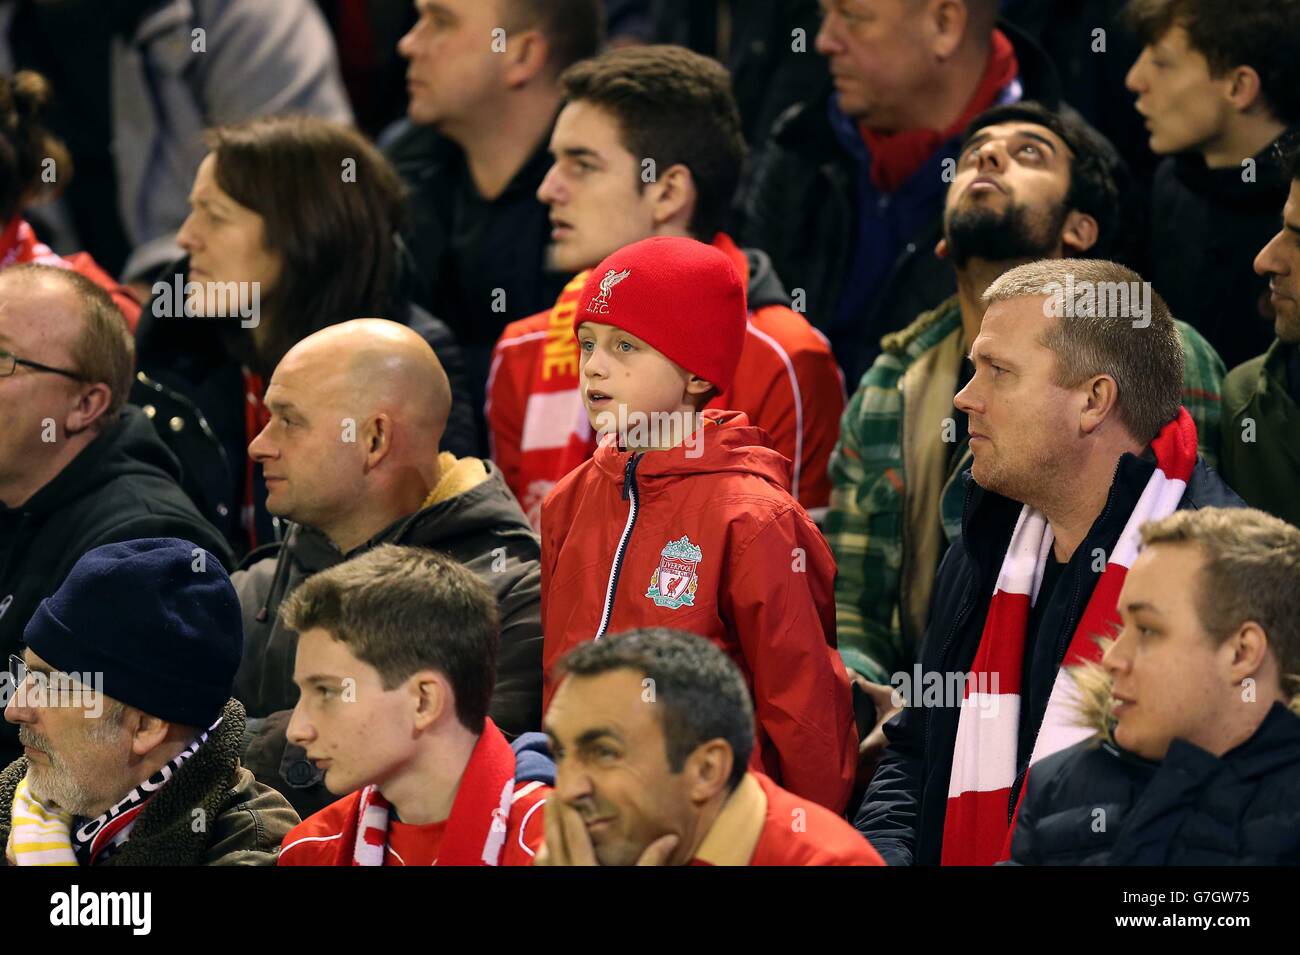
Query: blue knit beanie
{"type": "Point", "coordinates": [158, 618]}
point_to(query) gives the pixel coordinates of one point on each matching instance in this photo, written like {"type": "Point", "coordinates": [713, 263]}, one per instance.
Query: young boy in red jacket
{"type": "Point", "coordinates": [627, 111]}
{"type": "Point", "coordinates": [396, 660]}
{"type": "Point", "coordinates": [684, 519]}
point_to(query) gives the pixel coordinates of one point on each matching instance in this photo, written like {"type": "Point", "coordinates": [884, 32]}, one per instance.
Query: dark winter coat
{"type": "Point", "coordinates": [482, 528]}
{"type": "Point", "coordinates": [1206, 227]}
{"type": "Point", "coordinates": [124, 486]}
{"type": "Point", "coordinates": [1096, 803]}
{"type": "Point", "coordinates": [801, 206]}
{"type": "Point", "coordinates": [905, 805]}
{"type": "Point", "coordinates": [246, 820]}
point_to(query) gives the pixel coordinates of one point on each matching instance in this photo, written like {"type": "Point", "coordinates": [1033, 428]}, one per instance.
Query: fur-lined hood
{"type": "Point", "coordinates": [1095, 705]}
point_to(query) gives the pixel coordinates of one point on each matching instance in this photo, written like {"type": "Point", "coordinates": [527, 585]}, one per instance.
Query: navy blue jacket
{"type": "Point", "coordinates": [1192, 808]}
{"type": "Point", "coordinates": [902, 813]}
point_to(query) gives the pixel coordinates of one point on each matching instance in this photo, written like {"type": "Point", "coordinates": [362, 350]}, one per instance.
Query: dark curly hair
{"type": "Point", "coordinates": [1098, 175]}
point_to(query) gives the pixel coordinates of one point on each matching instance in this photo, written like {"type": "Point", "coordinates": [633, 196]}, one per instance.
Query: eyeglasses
{"type": "Point", "coordinates": [18, 675]}
{"type": "Point", "coordinates": [33, 696]}
{"type": "Point", "coordinates": [17, 669]}
{"type": "Point", "coordinates": [9, 364]}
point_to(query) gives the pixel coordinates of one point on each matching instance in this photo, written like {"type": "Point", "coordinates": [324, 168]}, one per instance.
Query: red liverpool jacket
{"type": "Point", "coordinates": [710, 543]}
{"type": "Point", "coordinates": [787, 383]}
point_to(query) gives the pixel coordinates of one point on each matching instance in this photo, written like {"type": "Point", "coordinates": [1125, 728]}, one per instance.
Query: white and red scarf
{"type": "Point", "coordinates": [476, 828]}
{"type": "Point", "coordinates": [979, 821]}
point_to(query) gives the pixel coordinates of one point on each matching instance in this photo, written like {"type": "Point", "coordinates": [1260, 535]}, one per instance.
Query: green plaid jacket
{"type": "Point", "coordinates": [865, 523]}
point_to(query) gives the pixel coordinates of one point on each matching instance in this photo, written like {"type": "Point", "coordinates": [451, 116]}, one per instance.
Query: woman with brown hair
{"type": "Point", "coordinates": [293, 226]}
{"type": "Point", "coordinates": [35, 167]}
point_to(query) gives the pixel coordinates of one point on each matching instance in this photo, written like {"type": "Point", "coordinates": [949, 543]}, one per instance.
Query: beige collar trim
{"type": "Point", "coordinates": [735, 833]}
{"type": "Point", "coordinates": [455, 477]}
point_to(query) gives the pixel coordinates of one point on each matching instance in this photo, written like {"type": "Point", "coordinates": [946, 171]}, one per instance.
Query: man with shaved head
{"type": "Point", "coordinates": [350, 457]}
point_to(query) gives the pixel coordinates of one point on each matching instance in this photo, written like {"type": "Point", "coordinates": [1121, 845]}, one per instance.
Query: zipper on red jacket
{"type": "Point", "coordinates": [629, 494]}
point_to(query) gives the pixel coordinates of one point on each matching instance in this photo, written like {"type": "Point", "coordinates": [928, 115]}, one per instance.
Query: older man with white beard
{"type": "Point", "coordinates": [131, 739]}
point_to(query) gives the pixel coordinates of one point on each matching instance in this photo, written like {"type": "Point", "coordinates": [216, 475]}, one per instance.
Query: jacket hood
{"type": "Point", "coordinates": [164, 833]}
{"type": "Point", "coordinates": [765, 287]}
{"type": "Point", "coordinates": [533, 761]}
{"type": "Point", "coordinates": [762, 285]}
{"type": "Point", "coordinates": [129, 446]}
{"type": "Point", "coordinates": [726, 443]}
{"type": "Point", "coordinates": [1094, 705]}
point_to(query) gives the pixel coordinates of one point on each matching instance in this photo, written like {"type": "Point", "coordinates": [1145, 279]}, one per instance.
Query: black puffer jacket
{"type": "Point", "coordinates": [903, 811]}
{"type": "Point", "coordinates": [124, 486]}
{"type": "Point", "coordinates": [246, 821]}
{"type": "Point", "coordinates": [1095, 804]}
{"type": "Point", "coordinates": [483, 528]}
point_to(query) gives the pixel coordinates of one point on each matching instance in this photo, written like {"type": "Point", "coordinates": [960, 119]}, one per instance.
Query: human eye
{"type": "Point", "coordinates": [625, 346]}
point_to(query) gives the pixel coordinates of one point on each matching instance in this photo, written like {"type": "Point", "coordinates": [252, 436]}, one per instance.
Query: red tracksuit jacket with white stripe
{"type": "Point", "coordinates": [711, 543]}
{"type": "Point", "coordinates": [787, 382]}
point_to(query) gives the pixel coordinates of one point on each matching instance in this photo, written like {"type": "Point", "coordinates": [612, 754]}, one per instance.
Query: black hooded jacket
{"type": "Point", "coordinates": [125, 485]}
{"type": "Point", "coordinates": [1207, 226]}
{"type": "Point", "coordinates": [903, 811]}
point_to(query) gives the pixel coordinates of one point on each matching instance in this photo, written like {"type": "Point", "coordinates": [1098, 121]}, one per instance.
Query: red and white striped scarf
{"type": "Point", "coordinates": [480, 813]}
{"type": "Point", "coordinates": [979, 823]}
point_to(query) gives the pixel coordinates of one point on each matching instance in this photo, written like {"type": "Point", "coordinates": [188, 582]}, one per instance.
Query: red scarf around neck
{"type": "Point", "coordinates": [896, 157]}
{"type": "Point", "coordinates": [979, 822]}
{"type": "Point", "coordinates": [476, 828]}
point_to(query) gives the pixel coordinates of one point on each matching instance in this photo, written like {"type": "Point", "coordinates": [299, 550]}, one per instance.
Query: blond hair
{"type": "Point", "coordinates": [1251, 573]}
{"type": "Point", "coordinates": [1145, 359]}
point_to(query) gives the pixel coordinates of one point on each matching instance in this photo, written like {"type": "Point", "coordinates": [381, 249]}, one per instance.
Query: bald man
{"type": "Point", "coordinates": [350, 457]}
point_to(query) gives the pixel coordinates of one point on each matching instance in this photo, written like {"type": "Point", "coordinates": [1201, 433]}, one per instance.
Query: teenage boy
{"type": "Point", "coordinates": [396, 664]}
{"type": "Point", "coordinates": [684, 519]}
{"type": "Point", "coordinates": [1218, 84]}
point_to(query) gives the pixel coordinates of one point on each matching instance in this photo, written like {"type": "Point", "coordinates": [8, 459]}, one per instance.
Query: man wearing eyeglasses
{"type": "Point", "coordinates": [78, 467]}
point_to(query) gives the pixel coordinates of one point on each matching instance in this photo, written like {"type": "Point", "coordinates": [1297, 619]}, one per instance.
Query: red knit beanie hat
{"type": "Point", "coordinates": [682, 297]}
